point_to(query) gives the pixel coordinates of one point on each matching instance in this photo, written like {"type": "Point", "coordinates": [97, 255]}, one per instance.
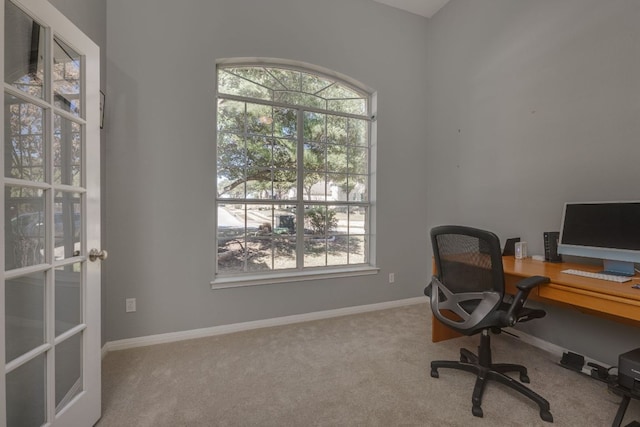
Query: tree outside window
{"type": "Point", "coordinates": [293, 171]}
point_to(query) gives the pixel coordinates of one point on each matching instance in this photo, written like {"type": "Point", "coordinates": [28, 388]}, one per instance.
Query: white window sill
{"type": "Point", "coordinates": [263, 279]}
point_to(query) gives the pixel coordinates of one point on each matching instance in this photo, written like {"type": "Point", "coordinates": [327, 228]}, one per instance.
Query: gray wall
{"type": "Point", "coordinates": [160, 154]}
{"type": "Point", "coordinates": [531, 104]}
{"type": "Point", "coordinates": [502, 110]}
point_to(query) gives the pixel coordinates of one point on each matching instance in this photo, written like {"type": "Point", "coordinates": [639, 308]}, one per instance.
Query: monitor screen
{"type": "Point", "coordinates": [607, 230]}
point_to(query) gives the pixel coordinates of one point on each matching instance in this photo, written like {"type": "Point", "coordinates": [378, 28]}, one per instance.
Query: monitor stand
{"type": "Point", "coordinates": [619, 268]}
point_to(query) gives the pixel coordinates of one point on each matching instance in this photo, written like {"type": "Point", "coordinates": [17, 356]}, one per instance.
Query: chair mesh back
{"type": "Point", "coordinates": [466, 263]}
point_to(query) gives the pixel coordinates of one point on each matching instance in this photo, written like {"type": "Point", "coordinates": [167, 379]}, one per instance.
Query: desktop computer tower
{"type": "Point", "coordinates": [629, 370]}
{"type": "Point", "coordinates": [551, 239]}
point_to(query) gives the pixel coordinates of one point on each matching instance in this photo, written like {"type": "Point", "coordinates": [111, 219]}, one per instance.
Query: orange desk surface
{"type": "Point", "coordinates": [616, 301]}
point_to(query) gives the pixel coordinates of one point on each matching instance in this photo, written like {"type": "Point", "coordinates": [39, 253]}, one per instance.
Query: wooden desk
{"type": "Point", "coordinates": [612, 300]}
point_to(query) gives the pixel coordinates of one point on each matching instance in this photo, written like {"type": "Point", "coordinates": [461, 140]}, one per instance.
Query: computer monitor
{"type": "Point", "coordinates": [606, 230]}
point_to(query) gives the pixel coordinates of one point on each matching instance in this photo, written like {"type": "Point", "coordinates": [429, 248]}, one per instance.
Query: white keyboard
{"type": "Point", "coordinates": [601, 276]}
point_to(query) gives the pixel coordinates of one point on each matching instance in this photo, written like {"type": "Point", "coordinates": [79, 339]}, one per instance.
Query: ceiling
{"type": "Point", "coordinates": [426, 8]}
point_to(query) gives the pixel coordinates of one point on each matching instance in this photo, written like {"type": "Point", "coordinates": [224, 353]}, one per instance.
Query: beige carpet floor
{"type": "Point", "coordinates": [368, 369]}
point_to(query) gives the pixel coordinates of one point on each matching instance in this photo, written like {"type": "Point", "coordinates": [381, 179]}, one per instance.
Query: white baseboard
{"type": "Point", "coordinates": [124, 344]}
{"type": "Point", "coordinates": [245, 326]}
{"type": "Point", "coordinates": [554, 349]}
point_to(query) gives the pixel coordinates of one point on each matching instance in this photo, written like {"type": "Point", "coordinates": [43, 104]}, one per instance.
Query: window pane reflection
{"type": "Point", "coordinates": [24, 315]}
{"type": "Point", "coordinates": [24, 63]}
{"type": "Point", "coordinates": [25, 224]}
{"type": "Point", "coordinates": [67, 151]}
{"type": "Point", "coordinates": [26, 394]}
{"type": "Point", "coordinates": [68, 293]}
{"type": "Point", "coordinates": [68, 370]}
{"type": "Point", "coordinates": [24, 140]}
{"type": "Point", "coordinates": [68, 225]}
{"type": "Point", "coordinates": [66, 77]}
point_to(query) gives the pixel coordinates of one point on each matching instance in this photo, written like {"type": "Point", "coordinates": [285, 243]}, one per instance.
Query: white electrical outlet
{"type": "Point", "coordinates": [392, 277]}
{"type": "Point", "coordinates": [130, 305]}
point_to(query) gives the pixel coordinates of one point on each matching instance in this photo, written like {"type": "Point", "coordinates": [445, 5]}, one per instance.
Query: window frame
{"type": "Point", "coordinates": [300, 272]}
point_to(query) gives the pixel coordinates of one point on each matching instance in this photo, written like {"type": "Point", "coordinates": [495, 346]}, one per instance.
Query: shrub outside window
{"type": "Point", "coordinates": [293, 172]}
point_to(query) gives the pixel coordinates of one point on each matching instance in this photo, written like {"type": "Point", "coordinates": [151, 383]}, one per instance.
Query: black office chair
{"type": "Point", "coordinates": [467, 295]}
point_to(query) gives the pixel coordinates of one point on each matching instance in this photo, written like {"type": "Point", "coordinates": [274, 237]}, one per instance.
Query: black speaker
{"type": "Point", "coordinates": [551, 239]}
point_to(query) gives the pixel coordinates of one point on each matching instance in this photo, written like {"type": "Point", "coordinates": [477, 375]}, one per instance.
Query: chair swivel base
{"type": "Point", "coordinates": [486, 371]}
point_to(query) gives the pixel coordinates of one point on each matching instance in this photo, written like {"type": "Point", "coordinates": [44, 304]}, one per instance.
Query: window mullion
{"type": "Point", "coordinates": [287, 105]}
{"type": "Point", "coordinates": [245, 238]}
{"type": "Point", "coordinates": [300, 191]}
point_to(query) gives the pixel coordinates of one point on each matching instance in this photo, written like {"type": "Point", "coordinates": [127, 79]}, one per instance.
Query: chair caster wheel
{"type": "Point", "coordinates": [434, 373]}
{"type": "Point", "coordinates": [477, 411]}
{"type": "Point", "coordinates": [546, 416]}
{"type": "Point", "coordinates": [524, 379]}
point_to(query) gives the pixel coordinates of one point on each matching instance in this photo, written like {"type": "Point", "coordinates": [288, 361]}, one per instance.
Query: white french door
{"type": "Point", "coordinates": [50, 291]}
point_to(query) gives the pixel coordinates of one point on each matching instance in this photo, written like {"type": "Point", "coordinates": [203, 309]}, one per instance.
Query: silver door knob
{"type": "Point", "coordinates": [95, 254]}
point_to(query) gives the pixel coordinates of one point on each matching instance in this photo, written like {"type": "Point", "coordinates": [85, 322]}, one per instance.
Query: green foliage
{"type": "Point", "coordinates": [321, 220]}
{"type": "Point", "coordinates": [291, 87]}
{"type": "Point", "coordinates": [257, 143]}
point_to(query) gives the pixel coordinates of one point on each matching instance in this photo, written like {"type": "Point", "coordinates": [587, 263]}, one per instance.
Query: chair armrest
{"type": "Point", "coordinates": [524, 287]}
{"type": "Point", "coordinates": [531, 282]}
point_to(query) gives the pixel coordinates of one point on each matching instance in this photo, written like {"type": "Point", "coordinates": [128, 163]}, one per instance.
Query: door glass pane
{"type": "Point", "coordinates": [68, 370]}
{"type": "Point", "coordinates": [24, 314]}
{"type": "Point", "coordinates": [66, 77]}
{"type": "Point", "coordinates": [24, 227]}
{"type": "Point", "coordinates": [67, 151]}
{"type": "Point", "coordinates": [24, 140]}
{"type": "Point", "coordinates": [26, 394]}
{"type": "Point", "coordinates": [23, 51]}
{"type": "Point", "coordinates": [68, 225]}
{"type": "Point", "coordinates": [68, 297]}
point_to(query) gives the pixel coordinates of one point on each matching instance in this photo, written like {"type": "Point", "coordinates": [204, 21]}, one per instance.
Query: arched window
{"type": "Point", "coordinates": [293, 173]}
